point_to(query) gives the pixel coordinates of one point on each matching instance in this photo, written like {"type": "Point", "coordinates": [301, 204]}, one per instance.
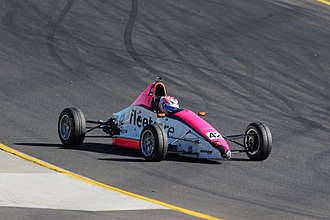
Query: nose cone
{"type": "Point", "coordinates": [221, 142]}
{"type": "Point", "coordinates": [223, 147]}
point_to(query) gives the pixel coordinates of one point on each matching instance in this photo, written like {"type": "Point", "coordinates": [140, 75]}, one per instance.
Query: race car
{"type": "Point", "coordinates": [155, 124]}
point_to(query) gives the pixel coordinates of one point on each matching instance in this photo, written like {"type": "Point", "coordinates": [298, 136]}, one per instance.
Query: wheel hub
{"type": "Point", "coordinates": [65, 127]}
{"type": "Point", "coordinates": [251, 142]}
{"type": "Point", "coordinates": [148, 143]}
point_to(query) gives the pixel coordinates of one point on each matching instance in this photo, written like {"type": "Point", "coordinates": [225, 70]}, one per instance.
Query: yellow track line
{"type": "Point", "coordinates": [324, 2]}
{"type": "Point", "coordinates": [99, 184]}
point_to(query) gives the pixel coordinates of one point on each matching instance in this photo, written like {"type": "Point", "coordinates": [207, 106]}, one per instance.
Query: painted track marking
{"type": "Point", "coordinates": [99, 184]}
{"type": "Point", "coordinates": [324, 2]}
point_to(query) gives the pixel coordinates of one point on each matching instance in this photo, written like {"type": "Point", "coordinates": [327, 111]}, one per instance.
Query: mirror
{"type": "Point", "coordinates": [201, 114]}
{"type": "Point", "coordinates": [160, 114]}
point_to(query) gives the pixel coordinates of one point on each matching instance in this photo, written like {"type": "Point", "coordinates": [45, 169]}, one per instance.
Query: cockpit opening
{"type": "Point", "coordinates": [159, 91]}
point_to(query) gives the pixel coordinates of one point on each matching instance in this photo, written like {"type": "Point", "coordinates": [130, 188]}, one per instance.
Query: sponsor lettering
{"type": "Point", "coordinates": [206, 151]}
{"type": "Point", "coordinates": [202, 129]}
{"type": "Point", "coordinates": [141, 122]}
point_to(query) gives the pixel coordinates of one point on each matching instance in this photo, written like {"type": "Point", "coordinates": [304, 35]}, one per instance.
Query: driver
{"type": "Point", "coordinates": [168, 104]}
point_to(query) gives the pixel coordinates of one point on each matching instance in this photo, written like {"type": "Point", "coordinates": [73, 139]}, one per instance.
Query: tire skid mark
{"type": "Point", "coordinates": [54, 25]}
{"type": "Point", "coordinates": [316, 163]}
{"type": "Point", "coordinates": [197, 70]}
{"type": "Point", "coordinates": [251, 80]}
{"type": "Point", "coordinates": [295, 106]}
{"type": "Point", "coordinates": [51, 36]}
{"type": "Point", "coordinates": [129, 46]}
{"type": "Point", "coordinates": [128, 38]}
{"type": "Point", "coordinates": [152, 69]}
{"type": "Point", "coordinates": [7, 18]}
{"type": "Point", "coordinates": [281, 97]}
{"type": "Point", "coordinates": [128, 41]}
{"type": "Point", "coordinates": [300, 82]}
{"type": "Point", "coordinates": [230, 74]}
{"type": "Point", "coordinates": [133, 53]}
{"type": "Point", "coordinates": [245, 84]}
{"type": "Point", "coordinates": [193, 84]}
{"type": "Point", "coordinates": [206, 99]}
{"type": "Point", "coordinates": [25, 33]}
{"type": "Point", "coordinates": [249, 83]}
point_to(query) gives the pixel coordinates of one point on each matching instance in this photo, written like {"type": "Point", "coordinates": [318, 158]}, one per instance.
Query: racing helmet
{"type": "Point", "coordinates": [168, 104]}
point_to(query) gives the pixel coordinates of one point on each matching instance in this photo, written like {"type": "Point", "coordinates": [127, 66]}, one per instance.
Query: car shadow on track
{"type": "Point", "coordinates": [169, 157]}
{"type": "Point", "coordinates": [126, 154]}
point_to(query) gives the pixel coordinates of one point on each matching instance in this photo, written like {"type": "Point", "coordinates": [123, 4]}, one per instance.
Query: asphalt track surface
{"type": "Point", "coordinates": [240, 61]}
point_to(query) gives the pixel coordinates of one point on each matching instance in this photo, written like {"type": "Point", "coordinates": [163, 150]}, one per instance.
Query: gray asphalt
{"type": "Point", "coordinates": [240, 61]}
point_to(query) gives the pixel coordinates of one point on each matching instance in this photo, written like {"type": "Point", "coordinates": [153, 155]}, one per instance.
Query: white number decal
{"type": "Point", "coordinates": [213, 135]}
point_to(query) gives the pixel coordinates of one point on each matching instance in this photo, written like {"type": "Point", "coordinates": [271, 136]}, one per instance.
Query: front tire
{"type": "Point", "coordinates": [71, 127]}
{"type": "Point", "coordinates": [153, 142]}
{"type": "Point", "coordinates": [258, 141]}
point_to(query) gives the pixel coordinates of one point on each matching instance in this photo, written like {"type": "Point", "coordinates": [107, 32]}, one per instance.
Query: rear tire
{"type": "Point", "coordinates": [258, 142]}
{"type": "Point", "coordinates": [153, 142]}
{"type": "Point", "coordinates": [71, 127]}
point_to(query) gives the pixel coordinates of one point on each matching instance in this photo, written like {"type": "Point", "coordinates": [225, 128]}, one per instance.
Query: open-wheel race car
{"type": "Point", "coordinates": [155, 124]}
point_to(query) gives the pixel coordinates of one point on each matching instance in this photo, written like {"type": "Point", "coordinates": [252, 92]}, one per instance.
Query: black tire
{"type": "Point", "coordinates": [153, 142]}
{"type": "Point", "coordinates": [71, 127]}
{"type": "Point", "coordinates": [258, 141]}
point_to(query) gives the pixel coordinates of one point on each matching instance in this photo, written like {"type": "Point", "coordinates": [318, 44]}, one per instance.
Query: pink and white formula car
{"type": "Point", "coordinates": [143, 125]}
